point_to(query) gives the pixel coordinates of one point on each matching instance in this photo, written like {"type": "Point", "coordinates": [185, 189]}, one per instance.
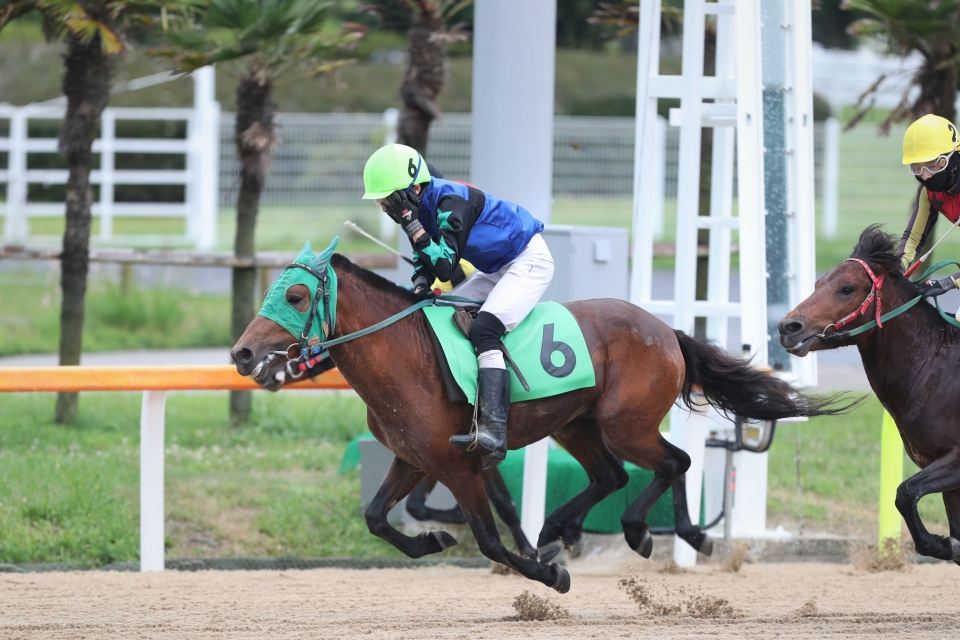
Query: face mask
{"type": "Point", "coordinates": [275, 306]}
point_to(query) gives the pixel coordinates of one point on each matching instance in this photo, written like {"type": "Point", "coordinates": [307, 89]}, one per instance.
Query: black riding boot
{"type": "Point", "coordinates": [494, 401]}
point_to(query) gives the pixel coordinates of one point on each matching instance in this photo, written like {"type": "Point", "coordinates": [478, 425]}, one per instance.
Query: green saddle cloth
{"type": "Point", "coordinates": [548, 346]}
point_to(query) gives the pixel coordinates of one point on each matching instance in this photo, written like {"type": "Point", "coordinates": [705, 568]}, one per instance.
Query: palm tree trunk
{"type": "Point", "coordinates": [86, 84]}
{"type": "Point", "coordinates": [254, 138]}
{"type": "Point", "coordinates": [426, 74]}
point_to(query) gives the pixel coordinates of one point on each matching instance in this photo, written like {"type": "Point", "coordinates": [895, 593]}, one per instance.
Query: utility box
{"type": "Point", "coordinates": [589, 262]}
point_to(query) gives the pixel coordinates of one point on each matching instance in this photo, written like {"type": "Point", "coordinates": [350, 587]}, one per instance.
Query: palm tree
{"type": "Point", "coordinates": [96, 34]}
{"type": "Point", "coordinates": [930, 27]}
{"type": "Point", "coordinates": [430, 35]}
{"type": "Point", "coordinates": [266, 42]}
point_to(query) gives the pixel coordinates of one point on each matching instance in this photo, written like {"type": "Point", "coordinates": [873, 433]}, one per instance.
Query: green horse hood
{"type": "Point", "coordinates": [275, 306]}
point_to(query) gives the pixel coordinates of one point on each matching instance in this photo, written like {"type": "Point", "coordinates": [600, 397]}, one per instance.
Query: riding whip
{"type": "Point", "coordinates": [357, 228]}
{"type": "Point", "coordinates": [909, 272]}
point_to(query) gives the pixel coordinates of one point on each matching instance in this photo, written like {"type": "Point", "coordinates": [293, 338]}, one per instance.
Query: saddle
{"type": "Point", "coordinates": [463, 318]}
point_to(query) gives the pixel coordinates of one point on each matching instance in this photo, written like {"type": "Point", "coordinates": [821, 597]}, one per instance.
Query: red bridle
{"type": "Point", "coordinates": [874, 295]}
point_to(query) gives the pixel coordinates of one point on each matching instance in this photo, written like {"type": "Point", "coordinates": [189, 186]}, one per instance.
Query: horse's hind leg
{"type": "Point", "coordinates": [506, 508]}
{"type": "Point", "coordinates": [400, 479]}
{"type": "Point", "coordinates": [668, 464]}
{"type": "Point", "coordinates": [943, 475]}
{"type": "Point", "coordinates": [951, 500]}
{"type": "Point", "coordinates": [468, 489]}
{"type": "Point", "coordinates": [583, 440]}
{"type": "Point", "coordinates": [417, 505]}
{"type": "Point", "coordinates": [688, 531]}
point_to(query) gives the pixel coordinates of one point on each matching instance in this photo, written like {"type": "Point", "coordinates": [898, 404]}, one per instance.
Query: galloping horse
{"type": "Point", "coordinates": [641, 367]}
{"type": "Point", "coordinates": [911, 363]}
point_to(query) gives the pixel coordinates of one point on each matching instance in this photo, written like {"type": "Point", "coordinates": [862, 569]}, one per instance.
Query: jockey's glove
{"type": "Point", "coordinates": [421, 288]}
{"type": "Point", "coordinates": [934, 288]}
{"type": "Point", "coordinates": [404, 212]}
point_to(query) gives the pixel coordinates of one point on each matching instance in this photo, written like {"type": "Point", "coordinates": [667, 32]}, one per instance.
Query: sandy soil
{"type": "Point", "coordinates": [785, 601]}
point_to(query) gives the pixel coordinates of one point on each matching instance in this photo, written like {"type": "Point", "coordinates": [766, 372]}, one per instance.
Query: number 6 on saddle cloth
{"type": "Point", "coordinates": [548, 347]}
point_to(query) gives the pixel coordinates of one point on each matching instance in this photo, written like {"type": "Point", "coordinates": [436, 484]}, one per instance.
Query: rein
{"type": "Point", "coordinates": [875, 294]}
{"type": "Point", "coordinates": [310, 349]}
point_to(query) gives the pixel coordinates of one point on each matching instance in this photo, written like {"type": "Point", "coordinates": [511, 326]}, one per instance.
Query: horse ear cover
{"type": "Point", "coordinates": [275, 306]}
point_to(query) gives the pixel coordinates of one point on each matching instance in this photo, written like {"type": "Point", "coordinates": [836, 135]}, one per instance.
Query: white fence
{"type": "Point", "coordinates": [319, 161]}
{"type": "Point", "coordinates": [194, 153]}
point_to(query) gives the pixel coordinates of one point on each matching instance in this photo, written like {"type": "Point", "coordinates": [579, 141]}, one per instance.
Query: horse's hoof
{"type": "Point", "coordinates": [955, 550]}
{"type": "Point", "coordinates": [549, 551]}
{"type": "Point", "coordinates": [444, 539]}
{"type": "Point", "coordinates": [645, 546]}
{"type": "Point", "coordinates": [562, 584]}
{"type": "Point", "coordinates": [706, 547]}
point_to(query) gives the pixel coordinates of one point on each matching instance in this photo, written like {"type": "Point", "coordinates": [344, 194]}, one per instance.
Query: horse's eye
{"type": "Point", "coordinates": [294, 299]}
{"type": "Point", "coordinates": [847, 290]}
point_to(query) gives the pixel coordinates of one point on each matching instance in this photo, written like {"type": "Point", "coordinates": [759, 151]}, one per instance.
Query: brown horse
{"type": "Point", "coordinates": [911, 364]}
{"type": "Point", "coordinates": [641, 367]}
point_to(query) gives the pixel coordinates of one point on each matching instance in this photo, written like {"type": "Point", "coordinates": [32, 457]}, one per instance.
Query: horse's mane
{"type": "Point", "coordinates": [877, 247]}
{"type": "Point", "coordinates": [880, 248]}
{"type": "Point", "coordinates": [375, 281]}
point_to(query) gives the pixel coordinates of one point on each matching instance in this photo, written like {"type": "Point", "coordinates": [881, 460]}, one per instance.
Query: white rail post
{"type": "Point", "coordinates": [831, 176]}
{"type": "Point", "coordinates": [108, 131]}
{"type": "Point", "coordinates": [688, 430]}
{"type": "Point", "coordinates": [391, 118]}
{"type": "Point", "coordinates": [204, 136]}
{"type": "Point", "coordinates": [16, 224]}
{"type": "Point", "coordinates": [659, 175]}
{"type": "Point", "coordinates": [534, 489]}
{"type": "Point", "coordinates": [151, 480]}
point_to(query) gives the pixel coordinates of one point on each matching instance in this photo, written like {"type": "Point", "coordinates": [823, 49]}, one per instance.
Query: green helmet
{"type": "Point", "coordinates": [395, 167]}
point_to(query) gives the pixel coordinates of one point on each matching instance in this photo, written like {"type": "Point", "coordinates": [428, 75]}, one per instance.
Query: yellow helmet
{"type": "Point", "coordinates": [928, 138]}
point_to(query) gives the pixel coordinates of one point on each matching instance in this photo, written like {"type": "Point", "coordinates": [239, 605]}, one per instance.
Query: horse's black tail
{"type": "Point", "coordinates": [735, 388]}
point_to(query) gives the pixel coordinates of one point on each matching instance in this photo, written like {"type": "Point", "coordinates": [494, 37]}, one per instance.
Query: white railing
{"type": "Point", "coordinates": [199, 177]}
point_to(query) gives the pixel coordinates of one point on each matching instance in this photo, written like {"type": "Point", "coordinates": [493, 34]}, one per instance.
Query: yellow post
{"type": "Point", "coordinates": [891, 475]}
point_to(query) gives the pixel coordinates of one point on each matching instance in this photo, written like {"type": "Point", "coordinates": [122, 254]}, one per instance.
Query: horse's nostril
{"type": "Point", "coordinates": [243, 355]}
{"type": "Point", "coordinates": [793, 327]}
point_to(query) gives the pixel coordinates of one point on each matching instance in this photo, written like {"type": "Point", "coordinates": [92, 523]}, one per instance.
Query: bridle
{"type": "Point", "coordinates": [309, 348]}
{"type": "Point", "coordinates": [874, 296]}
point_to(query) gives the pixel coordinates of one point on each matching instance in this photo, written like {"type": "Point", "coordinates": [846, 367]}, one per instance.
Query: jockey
{"type": "Point", "coordinates": [929, 150]}
{"type": "Point", "coordinates": [446, 221]}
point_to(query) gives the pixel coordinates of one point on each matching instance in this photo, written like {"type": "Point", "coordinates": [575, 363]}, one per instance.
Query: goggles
{"type": "Point", "coordinates": [932, 167]}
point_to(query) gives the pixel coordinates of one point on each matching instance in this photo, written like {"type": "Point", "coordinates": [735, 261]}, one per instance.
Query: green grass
{"type": "Point", "coordinates": [840, 476]}
{"type": "Point", "coordinates": [141, 319]}
{"type": "Point", "coordinates": [71, 495]}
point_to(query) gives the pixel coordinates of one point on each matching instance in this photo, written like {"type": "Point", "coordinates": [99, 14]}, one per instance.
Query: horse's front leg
{"type": "Point", "coordinates": [401, 478]}
{"type": "Point", "coordinates": [941, 476]}
{"type": "Point", "coordinates": [506, 508]}
{"type": "Point", "coordinates": [467, 488]}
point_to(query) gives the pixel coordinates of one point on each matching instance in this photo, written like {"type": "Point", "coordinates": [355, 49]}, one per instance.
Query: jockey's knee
{"type": "Point", "coordinates": [486, 332]}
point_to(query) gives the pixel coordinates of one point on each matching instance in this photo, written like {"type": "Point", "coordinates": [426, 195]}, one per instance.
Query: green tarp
{"type": "Point", "coordinates": [566, 478]}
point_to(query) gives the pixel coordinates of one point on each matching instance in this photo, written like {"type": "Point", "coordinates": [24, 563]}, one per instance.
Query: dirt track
{"type": "Point", "coordinates": [786, 601]}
